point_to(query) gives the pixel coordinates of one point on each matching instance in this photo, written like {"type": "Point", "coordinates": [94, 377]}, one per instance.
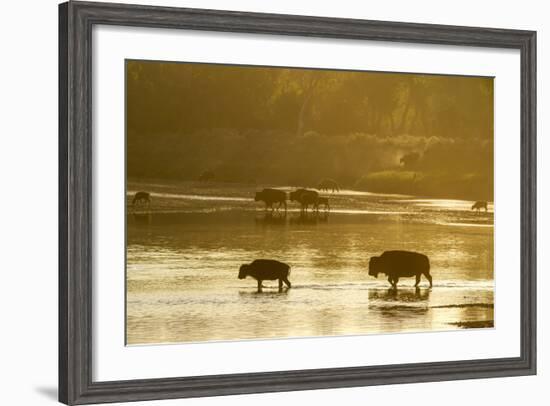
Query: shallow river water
{"type": "Point", "coordinates": [184, 253]}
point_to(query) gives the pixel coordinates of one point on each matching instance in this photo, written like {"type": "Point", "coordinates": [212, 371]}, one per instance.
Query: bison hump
{"type": "Point", "coordinates": [403, 255]}
{"type": "Point", "coordinates": [267, 262]}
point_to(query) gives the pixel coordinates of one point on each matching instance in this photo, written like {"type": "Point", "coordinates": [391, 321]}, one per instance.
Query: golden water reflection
{"type": "Point", "coordinates": [182, 283]}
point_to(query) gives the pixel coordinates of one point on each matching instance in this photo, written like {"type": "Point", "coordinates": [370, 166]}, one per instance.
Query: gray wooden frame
{"type": "Point", "coordinates": [76, 20]}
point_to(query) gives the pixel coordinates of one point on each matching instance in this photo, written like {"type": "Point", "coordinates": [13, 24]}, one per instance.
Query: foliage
{"type": "Point", "coordinates": [296, 126]}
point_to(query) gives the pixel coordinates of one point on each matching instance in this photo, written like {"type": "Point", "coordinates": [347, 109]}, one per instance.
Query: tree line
{"type": "Point", "coordinates": [279, 125]}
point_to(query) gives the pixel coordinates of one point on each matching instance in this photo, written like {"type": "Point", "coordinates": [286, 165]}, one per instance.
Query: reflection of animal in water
{"type": "Point", "coordinates": [312, 218]}
{"type": "Point", "coordinates": [305, 198]}
{"type": "Point", "coordinates": [322, 201]}
{"type": "Point", "coordinates": [141, 199]}
{"type": "Point", "coordinates": [271, 196]}
{"type": "Point", "coordinates": [479, 205]}
{"type": "Point", "coordinates": [397, 264]}
{"type": "Point", "coordinates": [328, 185]}
{"type": "Point", "coordinates": [266, 269]}
{"type": "Point", "coordinates": [399, 295]}
{"type": "Point", "coordinates": [207, 176]}
{"type": "Point", "coordinates": [410, 160]}
{"type": "Point", "coordinates": [272, 218]}
{"type": "Point", "coordinates": [397, 303]}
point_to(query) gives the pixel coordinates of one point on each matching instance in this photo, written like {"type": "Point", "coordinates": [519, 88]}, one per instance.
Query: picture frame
{"type": "Point", "coordinates": [76, 352]}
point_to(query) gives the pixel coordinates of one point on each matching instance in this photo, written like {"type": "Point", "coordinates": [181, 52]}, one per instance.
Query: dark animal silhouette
{"type": "Point", "coordinates": [142, 198]}
{"type": "Point", "coordinates": [398, 264]}
{"type": "Point", "coordinates": [322, 201]}
{"type": "Point", "coordinates": [479, 205]}
{"type": "Point", "coordinates": [305, 198]}
{"type": "Point", "coordinates": [271, 196]}
{"type": "Point", "coordinates": [328, 185]}
{"type": "Point", "coordinates": [410, 160]}
{"type": "Point", "coordinates": [266, 269]}
{"type": "Point", "coordinates": [207, 176]}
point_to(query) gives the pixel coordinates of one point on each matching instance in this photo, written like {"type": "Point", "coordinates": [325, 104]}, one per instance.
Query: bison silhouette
{"type": "Point", "coordinates": [400, 264]}
{"type": "Point", "coordinates": [141, 198]}
{"type": "Point", "coordinates": [271, 196]}
{"type": "Point", "coordinates": [479, 205]}
{"type": "Point", "coordinates": [305, 198]}
{"type": "Point", "coordinates": [321, 200]}
{"type": "Point", "coordinates": [266, 269]}
{"type": "Point", "coordinates": [410, 160]}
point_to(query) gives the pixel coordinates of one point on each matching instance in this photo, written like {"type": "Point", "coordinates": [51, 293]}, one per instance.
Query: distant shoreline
{"type": "Point", "coordinates": [168, 183]}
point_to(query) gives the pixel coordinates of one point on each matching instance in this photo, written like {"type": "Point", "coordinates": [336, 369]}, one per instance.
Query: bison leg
{"type": "Point", "coordinates": [417, 280]}
{"type": "Point", "coordinates": [390, 280]}
{"type": "Point", "coordinates": [287, 282]}
{"type": "Point", "coordinates": [429, 277]}
{"type": "Point", "coordinates": [395, 280]}
{"type": "Point", "coordinates": [259, 285]}
{"type": "Point", "coordinates": [280, 284]}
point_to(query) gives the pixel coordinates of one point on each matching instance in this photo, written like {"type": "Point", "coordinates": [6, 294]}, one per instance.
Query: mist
{"type": "Point", "coordinates": [424, 135]}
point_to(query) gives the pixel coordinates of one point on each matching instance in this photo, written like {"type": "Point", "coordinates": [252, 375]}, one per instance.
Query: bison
{"type": "Point", "coordinates": [397, 264]}
{"type": "Point", "coordinates": [270, 196]}
{"type": "Point", "coordinates": [143, 198]}
{"type": "Point", "coordinates": [321, 200]}
{"type": "Point", "coordinates": [305, 198]}
{"type": "Point", "coordinates": [266, 269]}
{"type": "Point", "coordinates": [479, 205]}
{"type": "Point", "coordinates": [410, 160]}
{"type": "Point", "coordinates": [328, 184]}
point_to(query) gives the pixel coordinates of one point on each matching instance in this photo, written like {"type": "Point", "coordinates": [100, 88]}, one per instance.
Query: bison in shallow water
{"type": "Point", "coordinates": [142, 198]}
{"type": "Point", "coordinates": [271, 196]}
{"type": "Point", "coordinates": [322, 201]}
{"type": "Point", "coordinates": [479, 205]}
{"type": "Point", "coordinates": [398, 264]}
{"type": "Point", "coordinates": [305, 198]}
{"type": "Point", "coordinates": [266, 270]}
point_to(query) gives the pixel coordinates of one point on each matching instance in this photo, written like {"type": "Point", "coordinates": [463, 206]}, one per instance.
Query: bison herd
{"type": "Point", "coordinates": [393, 264]}
{"type": "Point", "coordinates": [276, 199]}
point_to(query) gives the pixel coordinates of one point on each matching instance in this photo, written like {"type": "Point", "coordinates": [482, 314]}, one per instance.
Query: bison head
{"type": "Point", "coordinates": [258, 196]}
{"type": "Point", "coordinates": [295, 195]}
{"type": "Point", "coordinates": [374, 266]}
{"type": "Point", "coordinates": [243, 271]}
